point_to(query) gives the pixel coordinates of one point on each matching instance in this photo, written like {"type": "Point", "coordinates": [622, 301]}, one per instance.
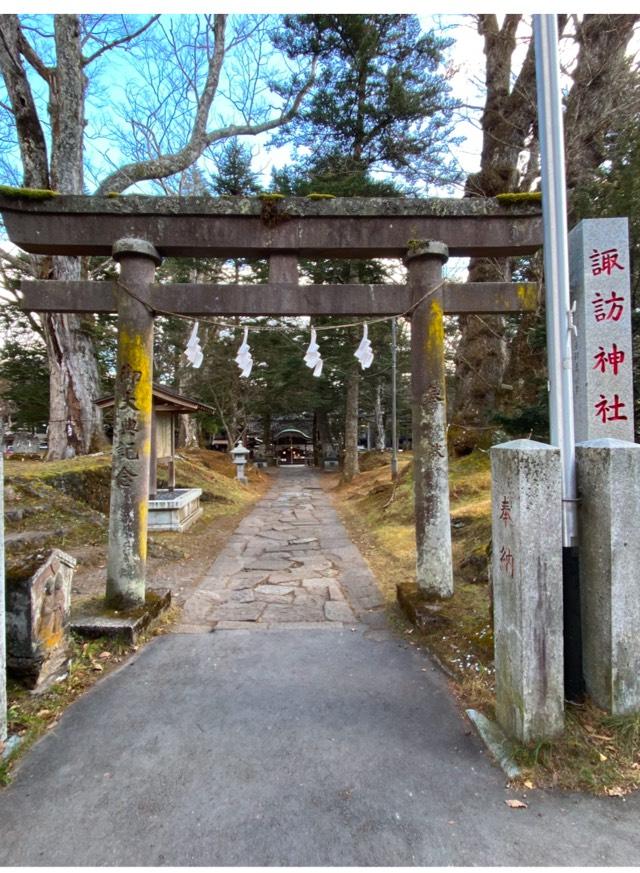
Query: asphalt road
{"type": "Point", "coordinates": [286, 747]}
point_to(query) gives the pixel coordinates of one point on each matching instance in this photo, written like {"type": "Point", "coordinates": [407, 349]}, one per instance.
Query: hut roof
{"type": "Point", "coordinates": [164, 400]}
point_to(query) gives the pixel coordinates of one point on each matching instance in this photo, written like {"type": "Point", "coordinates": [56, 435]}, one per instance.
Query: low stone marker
{"type": "Point", "coordinates": [527, 588]}
{"type": "Point", "coordinates": [38, 601]}
{"type": "Point", "coordinates": [608, 476]}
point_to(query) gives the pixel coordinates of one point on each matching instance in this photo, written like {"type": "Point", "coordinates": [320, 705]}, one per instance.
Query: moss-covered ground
{"type": "Point", "coordinates": [597, 753]}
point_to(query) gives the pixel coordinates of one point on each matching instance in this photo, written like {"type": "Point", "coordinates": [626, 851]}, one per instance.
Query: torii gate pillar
{"type": "Point", "coordinates": [434, 571]}
{"type": "Point", "coordinates": [127, 558]}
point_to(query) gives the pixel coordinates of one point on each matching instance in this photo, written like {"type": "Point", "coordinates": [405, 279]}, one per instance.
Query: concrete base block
{"type": "Point", "coordinates": [608, 473]}
{"type": "Point", "coordinates": [493, 738]}
{"type": "Point", "coordinates": [175, 510]}
{"type": "Point", "coordinates": [127, 626]}
{"type": "Point", "coordinates": [527, 589]}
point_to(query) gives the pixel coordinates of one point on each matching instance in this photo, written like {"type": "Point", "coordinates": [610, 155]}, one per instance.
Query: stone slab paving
{"type": "Point", "coordinates": [289, 563]}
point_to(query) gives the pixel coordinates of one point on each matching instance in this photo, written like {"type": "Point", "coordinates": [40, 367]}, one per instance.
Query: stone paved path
{"type": "Point", "coordinates": [290, 563]}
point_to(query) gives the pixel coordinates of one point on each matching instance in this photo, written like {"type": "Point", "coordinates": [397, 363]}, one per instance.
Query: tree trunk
{"type": "Point", "coordinates": [603, 92]}
{"type": "Point", "coordinates": [379, 420]}
{"type": "Point", "coordinates": [327, 448]}
{"type": "Point", "coordinates": [481, 357]}
{"type": "Point", "coordinates": [188, 432]}
{"type": "Point", "coordinates": [75, 426]}
{"type": "Point", "coordinates": [507, 122]}
{"type": "Point", "coordinates": [351, 467]}
{"type": "Point", "coordinates": [266, 432]}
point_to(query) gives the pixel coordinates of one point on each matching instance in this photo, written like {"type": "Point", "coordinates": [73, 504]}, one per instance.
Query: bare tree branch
{"type": "Point", "coordinates": [33, 146]}
{"type": "Point", "coordinates": [33, 58]}
{"type": "Point", "coordinates": [200, 139]}
{"type": "Point", "coordinates": [122, 41]}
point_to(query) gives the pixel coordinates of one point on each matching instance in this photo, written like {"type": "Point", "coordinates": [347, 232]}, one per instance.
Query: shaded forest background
{"type": "Point", "coordinates": [364, 104]}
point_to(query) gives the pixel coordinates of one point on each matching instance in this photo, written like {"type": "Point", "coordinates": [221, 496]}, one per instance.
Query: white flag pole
{"type": "Point", "coordinates": [556, 262]}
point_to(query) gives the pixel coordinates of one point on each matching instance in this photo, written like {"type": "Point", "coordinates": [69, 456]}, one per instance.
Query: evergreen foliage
{"type": "Point", "coordinates": [382, 104]}
{"type": "Point", "coordinates": [24, 384]}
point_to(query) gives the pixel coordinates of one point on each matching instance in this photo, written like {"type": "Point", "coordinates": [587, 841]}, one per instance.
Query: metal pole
{"type": "Point", "coordinates": [556, 263]}
{"type": "Point", "coordinates": [394, 406]}
{"type": "Point", "coordinates": [3, 650]}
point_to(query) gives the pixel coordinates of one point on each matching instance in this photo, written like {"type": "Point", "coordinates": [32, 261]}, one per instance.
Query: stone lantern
{"type": "Point", "coordinates": [239, 457]}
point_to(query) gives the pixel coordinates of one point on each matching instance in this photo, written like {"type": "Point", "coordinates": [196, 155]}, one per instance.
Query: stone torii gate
{"type": "Point", "coordinates": [138, 231]}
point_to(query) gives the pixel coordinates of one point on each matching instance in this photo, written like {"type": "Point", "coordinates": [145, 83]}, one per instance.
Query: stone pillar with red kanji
{"type": "Point", "coordinates": [607, 463]}
{"type": "Point", "coordinates": [602, 352]}
{"type": "Point", "coordinates": [526, 559]}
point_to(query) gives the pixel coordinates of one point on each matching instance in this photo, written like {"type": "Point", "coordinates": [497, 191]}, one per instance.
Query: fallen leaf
{"type": "Point", "coordinates": [409, 631]}
{"type": "Point", "coordinates": [616, 791]}
{"type": "Point", "coordinates": [528, 783]}
{"type": "Point", "coordinates": [98, 668]}
{"type": "Point", "coordinates": [104, 656]}
{"type": "Point", "coordinates": [43, 712]}
{"type": "Point", "coordinates": [602, 757]}
{"type": "Point", "coordinates": [516, 804]}
{"type": "Point", "coordinates": [635, 766]}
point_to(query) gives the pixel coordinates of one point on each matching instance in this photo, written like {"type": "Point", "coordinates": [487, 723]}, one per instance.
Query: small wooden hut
{"type": "Point", "coordinates": [171, 508]}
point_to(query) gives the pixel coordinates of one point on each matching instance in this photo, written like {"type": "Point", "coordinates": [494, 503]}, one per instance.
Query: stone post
{"type": "Point", "coordinates": [132, 426]}
{"type": "Point", "coordinates": [527, 588]}
{"type": "Point", "coordinates": [608, 472]}
{"type": "Point", "coordinates": [434, 570]}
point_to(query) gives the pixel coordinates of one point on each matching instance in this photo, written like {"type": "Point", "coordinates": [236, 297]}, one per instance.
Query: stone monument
{"type": "Point", "coordinates": [38, 602]}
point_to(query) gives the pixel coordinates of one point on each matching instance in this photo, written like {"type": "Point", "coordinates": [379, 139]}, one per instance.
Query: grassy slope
{"type": "Point", "coordinates": [72, 497]}
{"type": "Point", "coordinates": [597, 753]}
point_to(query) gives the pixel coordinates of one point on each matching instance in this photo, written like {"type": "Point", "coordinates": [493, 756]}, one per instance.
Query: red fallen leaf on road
{"type": "Point", "coordinates": [516, 804]}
